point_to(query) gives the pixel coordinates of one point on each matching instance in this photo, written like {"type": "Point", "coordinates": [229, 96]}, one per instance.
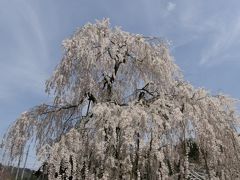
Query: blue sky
{"type": "Point", "coordinates": [205, 38]}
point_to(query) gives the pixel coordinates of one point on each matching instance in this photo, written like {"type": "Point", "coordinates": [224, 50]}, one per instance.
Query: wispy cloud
{"type": "Point", "coordinates": [215, 33]}
{"type": "Point", "coordinates": [24, 55]}
{"type": "Point", "coordinates": [171, 6]}
{"type": "Point", "coordinates": [226, 37]}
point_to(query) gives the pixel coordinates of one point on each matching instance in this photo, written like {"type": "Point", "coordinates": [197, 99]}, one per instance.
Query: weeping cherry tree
{"type": "Point", "coordinates": [122, 110]}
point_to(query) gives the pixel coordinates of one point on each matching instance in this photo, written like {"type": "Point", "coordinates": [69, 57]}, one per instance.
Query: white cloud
{"type": "Point", "coordinates": [25, 58]}
{"type": "Point", "coordinates": [215, 33]}
{"type": "Point", "coordinates": [226, 37]}
{"type": "Point", "coordinates": [171, 6]}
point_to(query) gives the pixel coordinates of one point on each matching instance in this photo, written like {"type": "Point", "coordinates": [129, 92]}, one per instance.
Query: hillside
{"type": "Point", "coordinates": [9, 173]}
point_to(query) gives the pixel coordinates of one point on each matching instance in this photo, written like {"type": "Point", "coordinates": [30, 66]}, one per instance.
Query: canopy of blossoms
{"type": "Point", "coordinates": [122, 110]}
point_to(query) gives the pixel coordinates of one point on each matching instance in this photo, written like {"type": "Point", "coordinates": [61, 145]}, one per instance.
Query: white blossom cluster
{"type": "Point", "coordinates": [151, 141]}
{"type": "Point", "coordinates": [122, 110]}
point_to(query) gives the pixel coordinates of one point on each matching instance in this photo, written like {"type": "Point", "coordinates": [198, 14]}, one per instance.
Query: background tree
{"type": "Point", "coordinates": [121, 110]}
